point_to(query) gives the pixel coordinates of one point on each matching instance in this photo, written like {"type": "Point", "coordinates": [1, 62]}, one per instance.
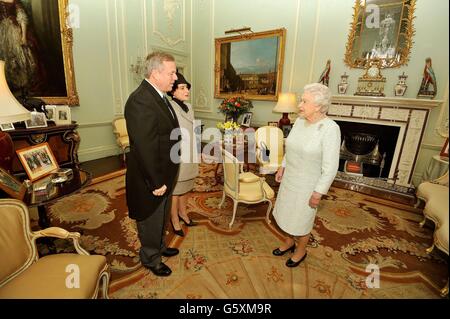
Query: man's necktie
{"type": "Point", "coordinates": [169, 106]}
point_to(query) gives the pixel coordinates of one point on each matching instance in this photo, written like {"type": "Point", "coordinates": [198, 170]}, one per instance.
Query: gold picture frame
{"type": "Point", "coordinates": [381, 29]}
{"type": "Point", "coordinates": [11, 186]}
{"type": "Point", "coordinates": [38, 160]}
{"type": "Point", "coordinates": [258, 81]}
{"type": "Point", "coordinates": [48, 71]}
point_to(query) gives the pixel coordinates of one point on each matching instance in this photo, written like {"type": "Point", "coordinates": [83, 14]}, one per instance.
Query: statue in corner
{"type": "Point", "coordinates": [428, 87]}
{"type": "Point", "coordinates": [325, 76]}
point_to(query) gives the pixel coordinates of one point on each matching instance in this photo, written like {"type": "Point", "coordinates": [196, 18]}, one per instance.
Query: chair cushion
{"type": "Point", "coordinates": [46, 278]}
{"type": "Point", "coordinates": [248, 177]}
{"type": "Point", "coordinates": [251, 192]}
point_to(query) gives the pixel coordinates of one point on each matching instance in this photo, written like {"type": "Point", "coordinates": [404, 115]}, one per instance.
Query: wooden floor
{"type": "Point", "coordinates": [103, 166]}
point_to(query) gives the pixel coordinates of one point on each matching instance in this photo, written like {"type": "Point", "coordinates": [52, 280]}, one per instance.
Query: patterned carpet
{"type": "Point", "coordinates": [351, 231]}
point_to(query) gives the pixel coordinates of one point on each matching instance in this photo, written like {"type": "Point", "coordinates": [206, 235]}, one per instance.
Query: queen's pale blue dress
{"type": "Point", "coordinates": [311, 163]}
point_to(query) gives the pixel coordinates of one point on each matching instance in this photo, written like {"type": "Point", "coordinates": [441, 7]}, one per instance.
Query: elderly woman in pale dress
{"type": "Point", "coordinates": [309, 167]}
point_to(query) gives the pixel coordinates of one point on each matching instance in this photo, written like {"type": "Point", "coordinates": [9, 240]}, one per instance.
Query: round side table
{"type": "Point", "coordinates": [436, 168]}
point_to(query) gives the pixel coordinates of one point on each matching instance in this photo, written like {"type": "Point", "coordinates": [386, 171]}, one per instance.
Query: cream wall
{"type": "Point", "coordinates": [111, 37]}
{"type": "Point", "coordinates": [317, 30]}
{"type": "Point", "coordinates": [114, 32]}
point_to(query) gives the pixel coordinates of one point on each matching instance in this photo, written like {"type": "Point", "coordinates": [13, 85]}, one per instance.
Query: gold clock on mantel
{"type": "Point", "coordinates": [372, 82]}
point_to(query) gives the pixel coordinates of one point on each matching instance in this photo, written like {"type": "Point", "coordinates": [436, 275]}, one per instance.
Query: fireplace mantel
{"type": "Point", "coordinates": [410, 115]}
{"type": "Point", "coordinates": [386, 101]}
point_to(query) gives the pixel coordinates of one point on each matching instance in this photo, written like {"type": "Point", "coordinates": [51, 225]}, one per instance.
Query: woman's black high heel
{"type": "Point", "coordinates": [192, 223]}
{"type": "Point", "coordinates": [179, 232]}
{"type": "Point", "coordinates": [278, 252]}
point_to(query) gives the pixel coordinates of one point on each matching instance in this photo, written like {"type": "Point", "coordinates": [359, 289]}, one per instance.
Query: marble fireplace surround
{"type": "Point", "coordinates": [410, 115]}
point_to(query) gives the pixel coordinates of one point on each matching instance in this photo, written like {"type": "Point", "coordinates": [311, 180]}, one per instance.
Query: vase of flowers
{"type": "Point", "coordinates": [235, 106]}
{"type": "Point", "coordinates": [229, 129]}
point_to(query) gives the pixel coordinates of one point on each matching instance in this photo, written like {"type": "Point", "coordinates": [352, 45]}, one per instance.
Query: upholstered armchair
{"type": "Point", "coordinates": [435, 195]}
{"type": "Point", "coordinates": [269, 149]}
{"type": "Point", "coordinates": [243, 187]}
{"type": "Point", "coordinates": [23, 275]}
{"type": "Point", "coordinates": [121, 133]}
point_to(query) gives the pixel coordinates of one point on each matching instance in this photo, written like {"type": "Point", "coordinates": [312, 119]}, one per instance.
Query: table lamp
{"type": "Point", "coordinates": [287, 103]}
{"type": "Point", "coordinates": [10, 111]}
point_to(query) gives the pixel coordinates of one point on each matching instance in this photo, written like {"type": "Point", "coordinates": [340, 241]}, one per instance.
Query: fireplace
{"type": "Point", "coordinates": [396, 127]}
{"type": "Point", "coordinates": [371, 146]}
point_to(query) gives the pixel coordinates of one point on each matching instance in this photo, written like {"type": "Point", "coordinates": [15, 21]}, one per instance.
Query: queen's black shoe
{"type": "Point", "coordinates": [291, 263]}
{"type": "Point", "coordinates": [278, 252]}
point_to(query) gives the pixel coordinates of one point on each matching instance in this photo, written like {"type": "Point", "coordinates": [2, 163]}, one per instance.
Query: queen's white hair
{"type": "Point", "coordinates": [321, 93]}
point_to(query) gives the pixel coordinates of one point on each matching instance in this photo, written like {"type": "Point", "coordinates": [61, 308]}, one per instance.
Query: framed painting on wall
{"type": "Point", "coordinates": [250, 65]}
{"type": "Point", "coordinates": [41, 65]}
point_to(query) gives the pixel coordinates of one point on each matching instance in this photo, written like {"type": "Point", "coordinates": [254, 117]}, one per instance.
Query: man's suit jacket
{"type": "Point", "coordinates": [149, 166]}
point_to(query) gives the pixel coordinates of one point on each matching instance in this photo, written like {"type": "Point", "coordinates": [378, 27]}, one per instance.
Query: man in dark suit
{"type": "Point", "coordinates": [151, 172]}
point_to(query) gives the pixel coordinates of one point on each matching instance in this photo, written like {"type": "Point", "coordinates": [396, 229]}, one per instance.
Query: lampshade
{"type": "Point", "coordinates": [287, 103]}
{"type": "Point", "coordinates": [10, 109]}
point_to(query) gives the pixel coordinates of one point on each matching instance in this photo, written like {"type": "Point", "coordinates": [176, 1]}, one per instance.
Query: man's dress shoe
{"type": "Point", "coordinates": [169, 252]}
{"type": "Point", "coordinates": [161, 270]}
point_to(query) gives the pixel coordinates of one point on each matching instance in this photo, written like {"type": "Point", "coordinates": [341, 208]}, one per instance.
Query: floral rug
{"type": "Point", "coordinates": [351, 231]}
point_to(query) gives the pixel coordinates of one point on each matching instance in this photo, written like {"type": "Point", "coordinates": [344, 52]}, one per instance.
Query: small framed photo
{"type": "Point", "coordinates": [51, 112]}
{"type": "Point", "coordinates": [247, 119]}
{"type": "Point", "coordinates": [11, 186]}
{"type": "Point", "coordinates": [286, 129]}
{"type": "Point", "coordinates": [444, 150]}
{"type": "Point", "coordinates": [272, 124]}
{"type": "Point", "coordinates": [62, 116]}
{"type": "Point", "coordinates": [38, 119]}
{"type": "Point", "coordinates": [7, 127]}
{"type": "Point", "coordinates": [37, 160]}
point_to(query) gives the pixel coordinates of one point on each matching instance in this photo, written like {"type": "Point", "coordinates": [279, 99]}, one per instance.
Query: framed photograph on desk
{"type": "Point", "coordinates": [7, 127]}
{"type": "Point", "coordinates": [62, 115]}
{"type": "Point", "coordinates": [37, 160]}
{"type": "Point", "coordinates": [11, 186]}
{"type": "Point", "coordinates": [247, 119]}
{"type": "Point", "coordinates": [38, 119]}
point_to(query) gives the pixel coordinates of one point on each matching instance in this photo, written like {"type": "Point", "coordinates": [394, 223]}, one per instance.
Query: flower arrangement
{"type": "Point", "coordinates": [230, 125]}
{"type": "Point", "coordinates": [235, 106]}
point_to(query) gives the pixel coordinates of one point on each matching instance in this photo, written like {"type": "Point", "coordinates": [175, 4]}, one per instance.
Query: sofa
{"type": "Point", "coordinates": [435, 195]}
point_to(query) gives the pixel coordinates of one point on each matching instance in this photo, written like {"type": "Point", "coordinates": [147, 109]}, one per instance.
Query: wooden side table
{"type": "Point", "coordinates": [63, 140]}
{"type": "Point", "coordinates": [436, 168]}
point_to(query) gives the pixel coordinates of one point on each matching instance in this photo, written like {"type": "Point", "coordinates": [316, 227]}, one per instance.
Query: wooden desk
{"type": "Point", "coordinates": [63, 140]}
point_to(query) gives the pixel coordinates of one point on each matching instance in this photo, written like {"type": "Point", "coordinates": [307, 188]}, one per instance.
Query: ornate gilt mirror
{"type": "Point", "coordinates": [381, 29]}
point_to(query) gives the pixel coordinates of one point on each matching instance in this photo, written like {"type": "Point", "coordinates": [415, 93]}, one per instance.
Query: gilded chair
{"type": "Point", "coordinates": [243, 187]}
{"type": "Point", "coordinates": [436, 197]}
{"type": "Point", "coordinates": [23, 275]}
{"type": "Point", "coordinates": [269, 149]}
{"type": "Point", "coordinates": [121, 133]}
